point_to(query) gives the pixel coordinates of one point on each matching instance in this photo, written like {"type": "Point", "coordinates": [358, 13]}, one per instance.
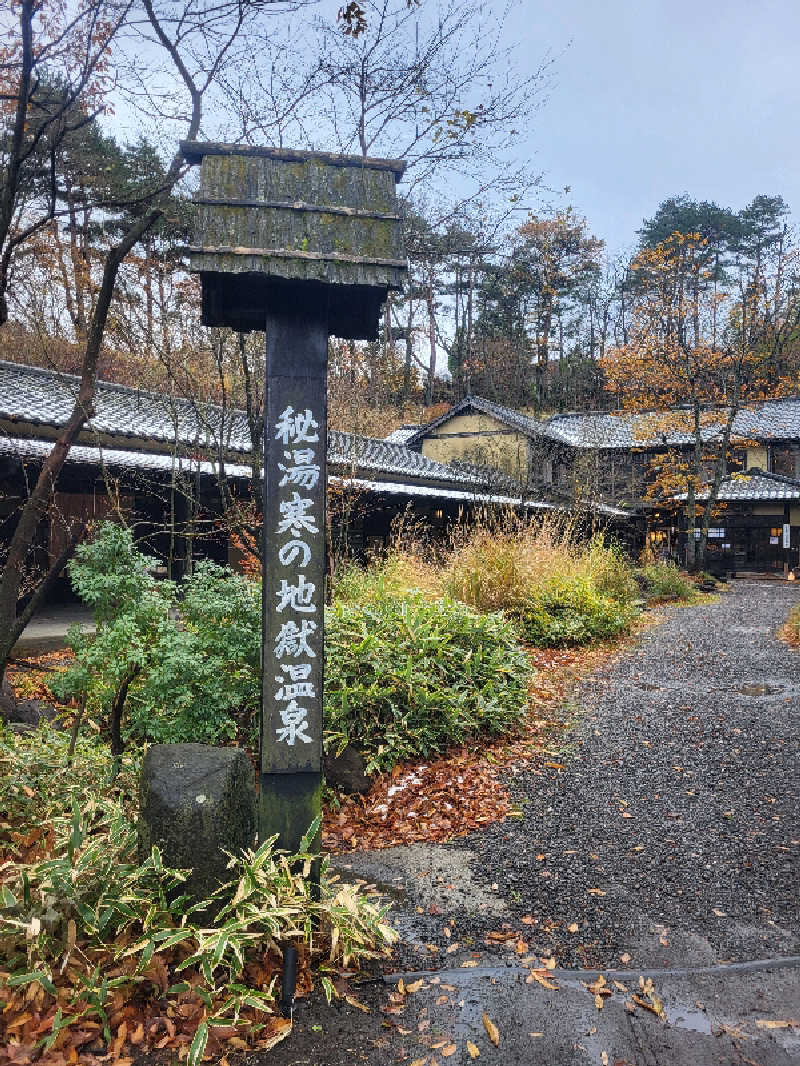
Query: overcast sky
{"type": "Point", "coordinates": [647, 99]}
{"type": "Point", "coordinates": [651, 98]}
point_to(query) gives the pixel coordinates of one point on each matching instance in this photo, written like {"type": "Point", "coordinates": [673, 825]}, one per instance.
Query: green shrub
{"type": "Point", "coordinates": [396, 574]}
{"type": "Point", "coordinates": [610, 571]}
{"type": "Point", "coordinates": [572, 611]}
{"type": "Point", "coordinates": [204, 684]}
{"type": "Point", "coordinates": [664, 581]}
{"type": "Point", "coordinates": [560, 589]}
{"type": "Point", "coordinates": [189, 680]}
{"type": "Point", "coordinates": [407, 677]}
{"type": "Point", "coordinates": [84, 894]}
{"type": "Point", "coordinates": [403, 676]}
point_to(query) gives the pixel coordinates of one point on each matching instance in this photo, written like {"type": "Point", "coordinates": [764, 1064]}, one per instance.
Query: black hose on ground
{"type": "Point", "coordinates": [289, 982]}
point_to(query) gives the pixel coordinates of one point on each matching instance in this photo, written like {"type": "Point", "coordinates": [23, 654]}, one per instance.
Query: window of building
{"type": "Point", "coordinates": [784, 460]}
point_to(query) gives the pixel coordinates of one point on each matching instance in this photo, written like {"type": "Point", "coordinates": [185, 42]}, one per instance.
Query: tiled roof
{"type": "Point", "coordinates": [119, 459]}
{"type": "Point", "coordinates": [31, 397]}
{"type": "Point", "coordinates": [116, 459]}
{"type": "Point", "coordinates": [40, 397]}
{"type": "Point", "coordinates": [756, 484]}
{"type": "Point", "coordinates": [401, 434]}
{"type": "Point", "coordinates": [45, 397]}
{"type": "Point", "coordinates": [524, 423]}
{"type": "Point", "coordinates": [475, 496]}
{"type": "Point", "coordinates": [770, 420]}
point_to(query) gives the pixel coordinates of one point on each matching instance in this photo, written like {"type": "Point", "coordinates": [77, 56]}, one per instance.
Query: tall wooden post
{"type": "Point", "coordinates": [302, 245]}
{"type": "Point", "coordinates": [295, 437]}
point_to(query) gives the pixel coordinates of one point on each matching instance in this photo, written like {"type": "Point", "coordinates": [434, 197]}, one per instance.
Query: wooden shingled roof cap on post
{"type": "Point", "coordinates": [278, 227]}
{"type": "Point", "coordinates": [195, 151]}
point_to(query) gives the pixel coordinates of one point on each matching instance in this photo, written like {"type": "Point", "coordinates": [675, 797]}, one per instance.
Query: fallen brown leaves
{"type": "Point", "coordinates": [790, 633]}
{"type": "Point", "coordinates": [431, 802]}
{"type": "Point", "coordinates": [30, 677]}
{"type": "Point", "coordinates": [438, 801]}
{"type": "Point", "coordinates": [139, 1019]}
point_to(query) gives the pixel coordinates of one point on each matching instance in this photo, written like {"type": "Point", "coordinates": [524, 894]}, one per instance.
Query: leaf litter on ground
{"type": "Point", "coordinates": [425, 801]}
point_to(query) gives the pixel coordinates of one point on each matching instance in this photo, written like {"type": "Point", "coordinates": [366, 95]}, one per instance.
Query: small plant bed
{"type": "Point", "coordinates": [409, 677]}
{"type": "Point", "coordinates": [665, 583]}
{"type": "Point", "coordinates": [420, 802]}
{"type": "Point", "coordinates": [790, 632]}
{"type": "Point", "coordinates": [102, 958]}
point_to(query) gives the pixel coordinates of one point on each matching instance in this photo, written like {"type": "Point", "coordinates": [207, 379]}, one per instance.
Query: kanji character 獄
{"type": "Point", "coordinates": [292, 640]}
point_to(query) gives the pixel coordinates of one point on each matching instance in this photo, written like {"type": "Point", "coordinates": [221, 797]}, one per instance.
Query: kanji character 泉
{"type": "Point", "coordinates": [295, 724]}
{"type": "Point", "coordinates": [299, 597]}
{"type": "Point", "coordinates": [288, 552]}
{"type": "Point", "coordinates": [296, 517]}
{"type": "Point", "coordinates": [296, 427]}
{"type": "Point", "coordinates": [304, 472]}
{"type": "Point", "coordinates": [292, 640]}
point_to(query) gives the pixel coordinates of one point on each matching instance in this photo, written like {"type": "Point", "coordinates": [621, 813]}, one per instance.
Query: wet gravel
{"type": "Point", "coordinates": [673, 832]}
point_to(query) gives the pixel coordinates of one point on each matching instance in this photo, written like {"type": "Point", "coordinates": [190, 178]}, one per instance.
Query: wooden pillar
{"type": "Point", "coordinates": [786, 539]}
{"type": "Point", "coordinates": [295, 450]}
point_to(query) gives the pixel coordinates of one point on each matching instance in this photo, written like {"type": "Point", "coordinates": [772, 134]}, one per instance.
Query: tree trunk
{"type": "Point", "coordinates": [117, 707]}
{"type": "Point", "coordinates": [36, 506]}
{"type": "Point", "coordinates": [11, 635]}
{"type": "Point", "coordinates": [408, 354]}
{"type": "Point", "coordinates": [8, 195]}
{"type": "Point", "coordinates": [468, 347]}
{"type": "Point", "coordinates": [431, 305]}
{"type": "Point", "coordinates": [694, 556]}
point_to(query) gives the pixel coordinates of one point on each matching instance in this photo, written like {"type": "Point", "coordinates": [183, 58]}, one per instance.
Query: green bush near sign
{"type": "Point", "coordinates": [183, 671]}
{"type": "Point", "coordinates": [408, 677]}
{"type": "Point", "coordinates": [572, 611]}
{"type": "Point", "coordinates": [405, 676]}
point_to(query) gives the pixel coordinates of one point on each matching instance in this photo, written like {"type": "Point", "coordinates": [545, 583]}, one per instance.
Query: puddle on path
{"type": "Point", "coordinates": [760, 689]}
{"type": "Point", "coordinates": [682, 1016]}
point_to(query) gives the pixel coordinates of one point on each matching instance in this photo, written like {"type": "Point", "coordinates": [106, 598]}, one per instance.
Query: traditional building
{"type": "Point", "coordinates": [612, 457]}
{"type": "Point", "coordinates": [172, 466]}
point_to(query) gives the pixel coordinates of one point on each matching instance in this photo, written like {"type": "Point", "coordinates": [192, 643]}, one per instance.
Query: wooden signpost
{"type": "Point", "coordinates": [302, 245]}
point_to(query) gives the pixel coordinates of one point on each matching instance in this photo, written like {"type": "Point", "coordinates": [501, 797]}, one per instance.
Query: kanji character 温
{"type": "Point", "coordinates": [296, 672]}
{"type": "Point", "coordinates": [296, 689]}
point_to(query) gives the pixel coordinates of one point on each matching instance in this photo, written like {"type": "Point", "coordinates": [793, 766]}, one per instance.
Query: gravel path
{"type": "Point", "coordinates": [670, 838]}
{"type": "Point", "coordinates": [680, 801]}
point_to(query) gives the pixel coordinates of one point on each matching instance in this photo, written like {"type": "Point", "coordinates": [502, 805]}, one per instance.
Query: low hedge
{"type": "Point", "coordinates": [572, 611]}
{"type": "Point", "coordinates": [408, 677]}
{"type": "Point", "coordinates": [664, 581]}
